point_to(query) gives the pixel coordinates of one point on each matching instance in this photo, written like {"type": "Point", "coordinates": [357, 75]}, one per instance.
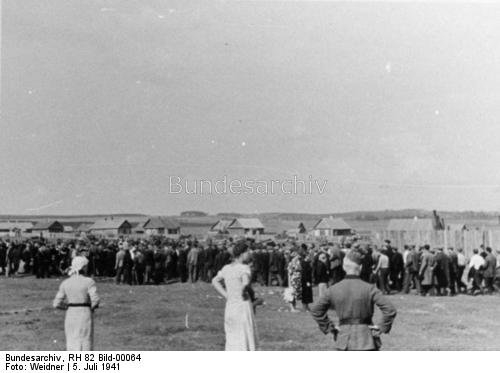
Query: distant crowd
{"type": "Point", "coordinates": [157, 260]}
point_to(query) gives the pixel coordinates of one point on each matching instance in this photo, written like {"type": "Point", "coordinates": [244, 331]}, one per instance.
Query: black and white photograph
{"type": "Point", "coordinates": [248, 175]}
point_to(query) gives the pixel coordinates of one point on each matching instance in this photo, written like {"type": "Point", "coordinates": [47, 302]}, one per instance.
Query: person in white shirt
{"type": "Point", "coordinates": [475, 271]}
{"type": "Point", "coordinates": [405, 254]}
{"type": "Point", "coordinates": [382, 272]}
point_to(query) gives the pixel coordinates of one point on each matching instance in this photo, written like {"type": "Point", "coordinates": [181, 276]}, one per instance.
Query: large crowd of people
{"type": "Point", "coordinates": [297, 267]}
{"type": "Point", "coordinates": [371, 271]}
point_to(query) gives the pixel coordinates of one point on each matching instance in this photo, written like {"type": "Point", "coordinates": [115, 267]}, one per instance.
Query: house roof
{"type": "Point", "coordinates": [332, 223]}
{"type": "Point", "coordinates": [137, 227]}
{"type": "Point", "coordinates": [44, 225]}
{"type": "Point", "coordinates": [414, 224]}
{"type": "Point", "coordinates": [7, 225]}
{"type": "Point", "coordinates": [220, 225]}
{"type": "Point", "coordinates": [85, 227]}
{"type": "Point", "coordinates": [159, 222]}
{"type": "Point", "coordinates": [105, 224]}
{"type": "Point", "coordinates": [246, 223]}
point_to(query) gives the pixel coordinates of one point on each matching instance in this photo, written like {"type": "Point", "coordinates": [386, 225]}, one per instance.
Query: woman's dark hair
{"type": "Point", "coordinates": [239, 248]}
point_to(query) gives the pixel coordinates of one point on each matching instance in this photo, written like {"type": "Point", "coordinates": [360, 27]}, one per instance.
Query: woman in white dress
{"type": "Point", "coordinates": [239, 321]}
{"type": "Point", "coordinates": [78, 296]}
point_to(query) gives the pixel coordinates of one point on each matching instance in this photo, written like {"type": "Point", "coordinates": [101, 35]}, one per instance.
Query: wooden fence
{"type": "Point", "coordinates": [466, 239]}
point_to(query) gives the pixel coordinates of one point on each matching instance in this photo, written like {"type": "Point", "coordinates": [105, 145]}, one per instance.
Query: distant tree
{"type": "Point", "coordinates": [193, 214]}
{"type": "Point", "coordinates": [228, 215]}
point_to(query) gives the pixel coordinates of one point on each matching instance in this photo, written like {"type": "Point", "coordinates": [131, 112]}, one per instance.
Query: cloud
{"type": "Point", "coordinates": [44, 207]}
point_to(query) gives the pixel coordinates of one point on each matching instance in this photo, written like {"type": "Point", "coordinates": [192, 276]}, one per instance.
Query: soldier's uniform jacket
{"type": "Point", "coordinates": [353, 300]}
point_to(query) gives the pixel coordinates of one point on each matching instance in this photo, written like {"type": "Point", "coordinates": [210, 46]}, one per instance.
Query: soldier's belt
{"type": "Point", "coordinates": [355, 321]}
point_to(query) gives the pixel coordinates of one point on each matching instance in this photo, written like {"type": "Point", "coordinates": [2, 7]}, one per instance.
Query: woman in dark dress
{"type": "Point", "coordinates": [307, 290]}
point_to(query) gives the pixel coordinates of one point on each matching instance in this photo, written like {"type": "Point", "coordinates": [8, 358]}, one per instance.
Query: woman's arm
{"type": "Point", "coordinates": [60, 299]}
{"type": "Point", "coordinates": [217, 283]}
{"type": "Point", "coordinates": [94, 297]}
{"type": "Point", "coordinates": [248, 292]}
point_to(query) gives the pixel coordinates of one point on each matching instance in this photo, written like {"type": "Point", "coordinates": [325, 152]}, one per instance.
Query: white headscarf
{"type": "Point", "coordinates": [77, 264]}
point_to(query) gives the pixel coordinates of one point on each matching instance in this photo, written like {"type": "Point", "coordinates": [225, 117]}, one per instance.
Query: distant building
{"type": "Point", "coordinates": [248, 227]}
{"type": "Point", "coordinates": [299, 232]}
{"type": "Point", "coordinates": [15, 229]}
{"type": "Point", "coordinates": [83, 228]}
{"type": "Point", "coordinates": [162, 226]}
{"type": "Point", "coordinates": [111, 227]}
{"type": "Point", "coordinates": [48, 229]}
{"type": "Point", "coordinates": [137, 228]}
{"type": "Point", "coordinates": [331, 227]}
{"type": "Point", "coordinates": [220, 227]}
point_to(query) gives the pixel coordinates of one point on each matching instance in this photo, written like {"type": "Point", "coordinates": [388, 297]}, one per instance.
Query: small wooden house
{"type": "Point", "coordinates": [48, 228]}
{"type": "Point", "coordinates": [247, 227]}
{"type": "Point", "coordinates": [111, 227]}
{"type": "Point", "coordinates": [331, 227]}
{"type": "Point", "coordinates": [162, 226]}
{"type": "Point", "coordinates": [220, 227]}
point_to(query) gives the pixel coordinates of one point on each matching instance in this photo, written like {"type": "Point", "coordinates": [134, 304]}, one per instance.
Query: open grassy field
{"type": "Point", "coordinates": [154, 318]}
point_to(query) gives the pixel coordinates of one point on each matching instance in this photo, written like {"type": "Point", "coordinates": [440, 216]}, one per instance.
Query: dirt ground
{"type": "Point", "coordinates": [190, 317]}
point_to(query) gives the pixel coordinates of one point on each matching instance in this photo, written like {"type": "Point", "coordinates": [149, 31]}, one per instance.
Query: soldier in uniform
{"type": "Point", "coordinates": [353, 300]}
{"type": "Point", "coordinates": [78, 296]}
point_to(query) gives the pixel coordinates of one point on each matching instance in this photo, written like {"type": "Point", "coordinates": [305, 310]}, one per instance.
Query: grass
{"type": "Point", "coordinates": [154, 318]}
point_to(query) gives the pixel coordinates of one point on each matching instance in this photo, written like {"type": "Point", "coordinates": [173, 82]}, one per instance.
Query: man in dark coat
{"type": "Point", "coordinates": [442, 271]}
{"type": "Point", "coordinates": [182, 269]}
{"type": "Point", "coordinates": [128, 265]}
{"type": "Point", "coordinates": [367, 266]}
{"type": "Point", "coordinates": [170, 263]}
{"type": "Point", "coordinates": [222, 258]}
{"type": "Point", "coordinates": [264, 270]}
{"type": "Point", "coordinates": [452, 255]}
{"type": "Point", "coordinates": [159, 257]}
{"type": "Point", "coordinates": [139, 267]}
{"type": "Point", "coordinates": [322, 272]}
{"type": "Point", "coordinates": [489, 270]}
{"type": "Point", "coordinates": [209, 263]}
{"type": "Point", "coordinates": [396, 268]}
{"type": "Point", "coordinates": [306, 279]}
{"type": "Point", "coordinates": [336, 270]}
{"type": "Point", "coordinates": [3, 257]}
{"type": "Point", "coordinates": [353, 300]}
{"type": "Point", "coordinates": [275, 266]}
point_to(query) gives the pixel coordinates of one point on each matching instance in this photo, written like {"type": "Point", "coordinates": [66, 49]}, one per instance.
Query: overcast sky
{"type": "Point", "coordinates": [396, 106]}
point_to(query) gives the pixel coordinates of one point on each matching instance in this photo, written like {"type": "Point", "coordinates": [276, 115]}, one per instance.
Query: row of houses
{"type": "Point", "coordinates": [105, 227]}
{"type": "Point", "coordinates": [325, 228]}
